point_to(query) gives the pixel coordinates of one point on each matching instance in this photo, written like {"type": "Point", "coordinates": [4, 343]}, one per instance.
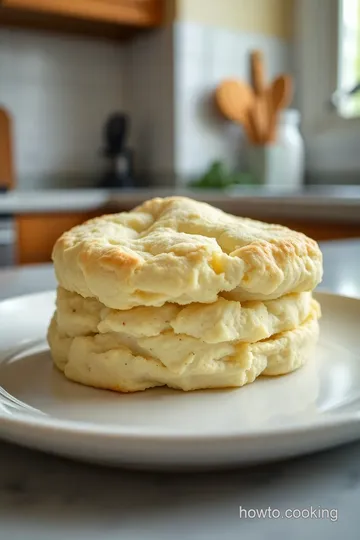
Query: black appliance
{"type": "Point", "coordinates": [119, 173]}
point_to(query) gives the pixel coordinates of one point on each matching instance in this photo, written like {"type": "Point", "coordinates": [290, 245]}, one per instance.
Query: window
{"type": "Point", "coordinates": [327, 65]}
{"type": "Point", "coordinates": [348, 59]}
{"type": "Point", "coordinates": [327, 58]}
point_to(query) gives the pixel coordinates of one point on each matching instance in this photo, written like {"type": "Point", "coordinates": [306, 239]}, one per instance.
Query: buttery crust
{"type": "Point", "coordinates": [116, 362]}
{"type": "Point", "coordinates": [182, 251]}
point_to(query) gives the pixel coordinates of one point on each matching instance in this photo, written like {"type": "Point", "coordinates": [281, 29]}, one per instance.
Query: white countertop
{"type": "Point", "coordinates": [335, 203]}
{"type": "Point", "coordinates": [47, 498]}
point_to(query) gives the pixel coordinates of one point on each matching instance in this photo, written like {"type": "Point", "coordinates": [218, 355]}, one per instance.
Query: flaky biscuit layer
{"type": "Point", "coordinates": [221, 321]}
{"type": "Point", "coordinates": [124, 363]}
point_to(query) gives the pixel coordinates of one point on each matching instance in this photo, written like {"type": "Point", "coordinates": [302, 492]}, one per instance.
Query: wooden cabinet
{"type": "Point", "coordinates": [136, 12]}
{"type": "Point", "coordinates": [88, 15]}
{"type": "Point", "coordinates": [321, 230]}
{"type": "Point", "coordinates": [37, 233]}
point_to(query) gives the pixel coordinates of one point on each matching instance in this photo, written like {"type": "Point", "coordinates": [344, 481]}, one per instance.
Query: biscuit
{"type": "Point", "coordinates": [182, 251]}
{"type": "Point", "coordinates": [123, 363]}
{"type": "Point", "coordinates": [221, 321]}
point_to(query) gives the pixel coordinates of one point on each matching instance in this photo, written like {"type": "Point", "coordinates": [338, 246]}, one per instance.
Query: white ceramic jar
{"type": "Point", "coordinates": [290, 140]}
{"type": "Point", "coordinates": [280, 164]}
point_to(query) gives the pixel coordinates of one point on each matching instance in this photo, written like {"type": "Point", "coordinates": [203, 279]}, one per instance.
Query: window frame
{"type": "Point", "coordinates": [316, 56]}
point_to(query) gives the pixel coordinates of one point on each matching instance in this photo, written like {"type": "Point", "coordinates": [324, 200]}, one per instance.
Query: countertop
{"type": "Point", "coordinates": [47, 498]}
{"type": "Point", "coordinates": [320, 203]}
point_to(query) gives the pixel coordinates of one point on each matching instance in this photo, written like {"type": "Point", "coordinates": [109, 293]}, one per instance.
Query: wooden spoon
{"type": "Point", "coordinates": [260, 112]}
{"type": "Point", "coordinates": [279, 97]}
{"type": "Point", "coordinates": [258, 72]}
{"type": "Point", "coordinates": [235, 99]}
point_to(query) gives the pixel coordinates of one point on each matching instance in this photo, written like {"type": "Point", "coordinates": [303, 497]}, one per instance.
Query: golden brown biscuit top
{"type": "Point", "coordinates": [182, 251]}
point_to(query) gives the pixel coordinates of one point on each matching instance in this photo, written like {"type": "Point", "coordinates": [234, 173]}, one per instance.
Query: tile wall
{"type": "Point", "coordinates": [59, 91]}
{"type": "Point", "coordinates": [150, 100]}
{"type": "Point", "coordinates": [205, 55]}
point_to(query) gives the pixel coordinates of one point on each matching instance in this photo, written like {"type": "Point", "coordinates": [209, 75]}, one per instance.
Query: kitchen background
{"type": "Point", "coordinates": [67, 66]}
{"type": "Point", "coordinates": [61, 89]}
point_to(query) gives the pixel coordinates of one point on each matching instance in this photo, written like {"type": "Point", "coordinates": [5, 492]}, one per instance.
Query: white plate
{"type": "Point", "coordinates": [314, 408]}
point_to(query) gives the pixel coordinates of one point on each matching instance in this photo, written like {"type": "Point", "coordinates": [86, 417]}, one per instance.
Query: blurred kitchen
{"type": "Point", "coordinates": [252, 106]}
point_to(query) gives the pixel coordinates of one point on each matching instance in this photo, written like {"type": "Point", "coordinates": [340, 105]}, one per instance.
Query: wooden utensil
{"type": "Point", "coordinates": [279, 97]}
{"type": "Point", "coordinates": [258, 113]}
{"type": "Point", "coordinates": [235, 99]}
{"type": "Point", "coordinates": [258, 79]}
{"type": "Point", "coordinates": [258, 72]}
{"type": "Point", "coordinates": [7, 178]}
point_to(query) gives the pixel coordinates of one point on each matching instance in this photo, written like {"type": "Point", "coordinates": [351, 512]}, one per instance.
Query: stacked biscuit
{"type": "Point", "coordinates": [179, 293]}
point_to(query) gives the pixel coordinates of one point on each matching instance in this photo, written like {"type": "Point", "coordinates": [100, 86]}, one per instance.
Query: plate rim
{"type": "Point", "coordinates": [78, 429]}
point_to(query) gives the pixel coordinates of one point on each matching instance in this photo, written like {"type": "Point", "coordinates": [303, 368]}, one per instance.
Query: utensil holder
{"type": "Point", "coordinates": [272, 165]}
{"type": "Point", "coordinates": [280, 164]}
{"type": "Point", "coordinates": [265, 164]}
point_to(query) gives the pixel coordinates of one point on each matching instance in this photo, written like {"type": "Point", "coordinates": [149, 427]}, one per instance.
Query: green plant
{"type": "Point", "coordinates": [218, 176]}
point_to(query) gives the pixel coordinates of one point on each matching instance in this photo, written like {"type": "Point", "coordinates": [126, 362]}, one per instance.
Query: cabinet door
{"type": "Point", "coordinates": [37, 233]}
{"type": "Point", "coordinates": [132, 12]}
{"type": "Point", "coordinates": [319, 231]}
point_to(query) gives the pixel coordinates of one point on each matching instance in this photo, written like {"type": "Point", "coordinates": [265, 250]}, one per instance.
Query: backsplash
{"type": "Point", "coordinates": [149, 95]}
{"type": "Point", "coordinates": [59, 91]}
{"type": "Point", "coordinates": [205, 55]}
